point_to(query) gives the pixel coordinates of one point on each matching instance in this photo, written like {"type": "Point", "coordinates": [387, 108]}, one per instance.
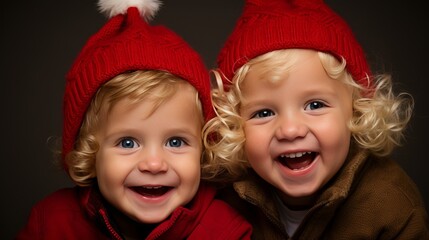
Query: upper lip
{"type": "Point", "coordinates": [152, 186]}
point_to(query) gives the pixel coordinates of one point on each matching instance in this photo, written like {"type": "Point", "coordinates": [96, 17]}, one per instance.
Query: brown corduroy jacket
{"type": "Point", "coordinates": [369, 198]}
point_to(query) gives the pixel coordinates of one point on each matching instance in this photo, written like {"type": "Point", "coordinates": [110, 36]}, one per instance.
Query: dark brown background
{"type": "Point", "coordinates": [40, 39]}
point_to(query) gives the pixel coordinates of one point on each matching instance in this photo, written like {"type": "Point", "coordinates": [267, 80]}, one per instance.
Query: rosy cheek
{"type": "Point", "coordinates": [253, 148]}
{"type": "Point", "coordinates": [249, 142]}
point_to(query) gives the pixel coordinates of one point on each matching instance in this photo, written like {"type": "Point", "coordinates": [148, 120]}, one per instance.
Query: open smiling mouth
{"type": "Point", "coordinates": [151, 191]}
{"type": "Point", "coordinates": [297, 161]}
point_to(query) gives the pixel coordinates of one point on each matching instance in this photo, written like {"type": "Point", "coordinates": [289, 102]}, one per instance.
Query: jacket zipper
{"type": "Point", "coordinates": [109, 227]}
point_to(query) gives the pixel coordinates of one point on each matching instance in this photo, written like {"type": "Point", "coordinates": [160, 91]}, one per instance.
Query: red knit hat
{"type": "Point", "coordinates": [127, 43]}
{"type": "Point", "coordinates": [265, 26]}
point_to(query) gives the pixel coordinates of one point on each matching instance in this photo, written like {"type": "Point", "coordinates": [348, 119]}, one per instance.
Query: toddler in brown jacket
{"type": "Point", "coordinates": [304, 130]}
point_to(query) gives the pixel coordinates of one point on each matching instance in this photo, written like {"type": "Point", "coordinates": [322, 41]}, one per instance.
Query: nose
{"type": "Point", "coordinates": [291, 127]}
{"type": "Point", "coordinates": [153, 161]}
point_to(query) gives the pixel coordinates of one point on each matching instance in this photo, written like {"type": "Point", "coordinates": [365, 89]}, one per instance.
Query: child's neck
{"type": "Point", "coordinates": [129, 228]}
{"type": "Point", "coordinates": [297, 203]}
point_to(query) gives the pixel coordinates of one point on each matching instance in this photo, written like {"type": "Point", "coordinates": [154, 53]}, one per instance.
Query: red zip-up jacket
{"type": "Point", "coordinates": [79, 213]}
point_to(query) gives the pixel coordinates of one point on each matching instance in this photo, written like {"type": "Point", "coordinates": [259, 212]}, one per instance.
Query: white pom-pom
{"type": "Point", "coordinates": [147, 8]}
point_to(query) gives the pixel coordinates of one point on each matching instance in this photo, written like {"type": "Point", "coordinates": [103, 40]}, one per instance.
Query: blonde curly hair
{"type": "Point", "coordinates": [379, 116]}
{"type": "Point", "coordinates": [136, 86]}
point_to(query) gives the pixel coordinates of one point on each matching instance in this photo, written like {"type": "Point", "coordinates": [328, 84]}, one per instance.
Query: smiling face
{"type": "Point", "coordinates": [148, 163]}
{"type": "Point", "coordinates": [296, 126]}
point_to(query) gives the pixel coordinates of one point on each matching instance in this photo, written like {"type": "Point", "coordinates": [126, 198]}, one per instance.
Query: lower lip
{"type": "Point", "coordinates": [300, 172]}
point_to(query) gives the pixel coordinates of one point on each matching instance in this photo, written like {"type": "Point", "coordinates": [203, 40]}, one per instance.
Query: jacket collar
{"type": "Point", "coordinates": [181, 222]}
{"type": "Point", "coordinates": [255, 190]}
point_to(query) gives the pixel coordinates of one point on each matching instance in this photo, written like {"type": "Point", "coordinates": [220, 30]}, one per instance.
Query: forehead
{"type": "Point", "coordinates": [178, 111]}
{"type": "Point", "coordinates": [272, 69]}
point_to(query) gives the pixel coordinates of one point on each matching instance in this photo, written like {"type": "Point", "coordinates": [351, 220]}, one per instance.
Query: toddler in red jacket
{"type": "Point", "coordinates": [135, 102]}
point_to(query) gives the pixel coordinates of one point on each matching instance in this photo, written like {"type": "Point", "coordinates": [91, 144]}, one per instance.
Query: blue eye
{"type": "Point", "coordinates": [128, 143]}
{"type": "Point", "coordinates": [263, 113]}
{"type": "Point", "coordinates": [314, 105]}
{"type": "Point", "coordinates": [175, 142]}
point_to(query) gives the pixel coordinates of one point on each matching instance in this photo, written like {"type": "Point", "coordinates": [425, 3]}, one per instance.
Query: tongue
{"type": "Point", "coordinates": [151, 192]}
{"type": "Point", "coordinates": [298, 162]}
